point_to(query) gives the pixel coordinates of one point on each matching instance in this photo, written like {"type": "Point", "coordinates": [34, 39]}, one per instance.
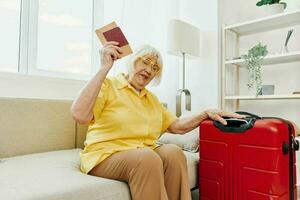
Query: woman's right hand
{"type": "Point", "coordinates": [109, 53]}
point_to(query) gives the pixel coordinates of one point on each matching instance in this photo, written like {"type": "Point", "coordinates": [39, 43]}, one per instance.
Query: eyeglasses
{"type": "Point", "coordinates": [150, 63]}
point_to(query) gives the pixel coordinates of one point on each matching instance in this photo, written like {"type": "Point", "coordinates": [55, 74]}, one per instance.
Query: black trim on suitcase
{"type": "Point", "coordinates": [249, 114]}
{"type": "Point", "coordinates": [235, 125]}
{"type": "Point", "coordinates": [291, 163]}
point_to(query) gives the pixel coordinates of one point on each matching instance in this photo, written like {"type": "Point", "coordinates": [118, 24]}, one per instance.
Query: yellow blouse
{"type": "Point", "coordinates": [123, 120]}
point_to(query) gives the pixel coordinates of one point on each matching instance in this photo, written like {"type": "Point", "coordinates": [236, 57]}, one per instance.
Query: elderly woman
{"type": "Point", "coordinates": [125, 120]}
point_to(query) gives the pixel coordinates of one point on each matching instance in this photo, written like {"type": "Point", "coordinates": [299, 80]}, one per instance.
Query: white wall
{"type": "Point", "coordinates": [202, 74]}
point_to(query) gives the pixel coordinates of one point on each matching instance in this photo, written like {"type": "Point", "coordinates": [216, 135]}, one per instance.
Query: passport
{"type": "Point", "coordinates": [112, 32]}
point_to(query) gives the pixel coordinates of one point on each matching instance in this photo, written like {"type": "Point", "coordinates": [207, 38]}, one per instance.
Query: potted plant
{"type": "Point", "coordinates": [272, 6]}
{"type": "Point", "coordinates": [253, 61]}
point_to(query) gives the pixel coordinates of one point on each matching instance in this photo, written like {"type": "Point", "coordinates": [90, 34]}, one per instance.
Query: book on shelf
{"type": "Point", "coordinates": [112, 32]}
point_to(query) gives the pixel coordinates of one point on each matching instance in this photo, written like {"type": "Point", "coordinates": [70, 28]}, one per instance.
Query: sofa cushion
{"type": "Point", "coordinates": [188, 142]}
{"type": "Point", "coordinates": [44, 120]}
{"type": "Point", "coordinates": [55, 175]}
{"type": "Point", "coordinates": [192, 165]}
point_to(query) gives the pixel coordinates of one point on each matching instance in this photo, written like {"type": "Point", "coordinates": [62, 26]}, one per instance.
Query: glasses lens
{"type": "Point", "coordinates": [155, 68]}
{"type": "Point", "coordinates": [149, 63]}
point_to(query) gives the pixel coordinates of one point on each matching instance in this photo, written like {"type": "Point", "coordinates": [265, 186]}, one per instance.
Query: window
{"type": "Point", "coordinates": [64, 36]}
{"type": "Point", "coordinates": [9, 38]}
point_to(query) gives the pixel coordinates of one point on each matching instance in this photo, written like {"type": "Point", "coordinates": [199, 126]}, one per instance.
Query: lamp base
{"type": "Point", "coordinates": [187, 101]}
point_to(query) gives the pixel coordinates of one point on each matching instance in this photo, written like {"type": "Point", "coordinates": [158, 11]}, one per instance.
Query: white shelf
{"type": "Point", "coordinates": [271, 59]}
{"type": "Point", "coordinates": [277, 21]}
{"type": "Point", "coordinates": [263, 97]}
{"type": "Point", "coordinates": [282, 20]}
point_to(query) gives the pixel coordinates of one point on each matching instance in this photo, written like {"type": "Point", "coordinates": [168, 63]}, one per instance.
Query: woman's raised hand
{"type": "Point", "coordinates": [109, 53]}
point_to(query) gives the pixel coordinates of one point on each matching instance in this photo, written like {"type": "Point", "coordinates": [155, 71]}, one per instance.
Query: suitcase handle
{"type": "Point", "coordinates": [235, 125]}
{"type": "Point", "coordinates": [249, 114]}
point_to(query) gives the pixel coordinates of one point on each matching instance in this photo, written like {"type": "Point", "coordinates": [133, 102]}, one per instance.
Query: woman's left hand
{"type": "Point", "coordinates": [218, 115]}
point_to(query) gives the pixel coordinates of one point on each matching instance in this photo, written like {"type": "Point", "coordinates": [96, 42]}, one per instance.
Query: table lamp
{"type": "Point", "coordinates": [183, 39]}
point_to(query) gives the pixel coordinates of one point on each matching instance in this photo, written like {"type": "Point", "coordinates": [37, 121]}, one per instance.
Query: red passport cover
{"type": "Point", "coordinates": [111, 32]}
{"type": "Point", "coordinates": [117, 35]}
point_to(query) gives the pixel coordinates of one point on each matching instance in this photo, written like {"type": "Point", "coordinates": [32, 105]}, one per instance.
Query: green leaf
{"type": "Point", "coordinates": [268, 2]}
{"type": "Point", "coordinates": [253, 60]}
{"type": "Point", "coordinates": [260, 3]}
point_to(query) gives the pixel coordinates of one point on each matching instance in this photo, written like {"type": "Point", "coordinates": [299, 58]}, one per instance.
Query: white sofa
{"type": "Point", "coordinates": [39, 155]}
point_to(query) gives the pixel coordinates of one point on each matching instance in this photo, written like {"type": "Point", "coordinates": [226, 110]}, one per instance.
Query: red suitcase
{"type": "Point", "coordinates": [248, 159]}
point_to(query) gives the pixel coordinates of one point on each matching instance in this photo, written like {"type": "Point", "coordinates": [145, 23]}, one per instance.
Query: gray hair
{"type": "Point", "coordinates": [142, 51]}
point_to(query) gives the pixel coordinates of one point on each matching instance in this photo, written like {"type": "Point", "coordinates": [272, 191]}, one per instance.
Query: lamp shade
{"type": "Point", "coordinates": [183, 37]}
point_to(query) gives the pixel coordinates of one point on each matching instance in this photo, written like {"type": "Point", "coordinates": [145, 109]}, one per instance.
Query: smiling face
{"type": "Point", "coordinates": [144, 70]}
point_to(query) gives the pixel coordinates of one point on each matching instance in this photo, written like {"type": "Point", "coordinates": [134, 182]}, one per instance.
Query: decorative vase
{"type": "Point", "coordinates": [267, 90]}
{"type": "Point", "coordinates": [274, 8]}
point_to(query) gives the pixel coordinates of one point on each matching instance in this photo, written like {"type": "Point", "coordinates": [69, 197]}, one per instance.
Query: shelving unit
{"type": "Point", "coordinates": [271, 59]}
{"type": "Point", "coordinates": [263, 97]}
{"type": "Point", "coordinates": [253, 27]}
{"type": "Point", "coordinates": [266, 24]}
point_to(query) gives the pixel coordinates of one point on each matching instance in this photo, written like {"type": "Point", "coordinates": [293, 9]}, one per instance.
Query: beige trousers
{"type": "Point", "coordinates": [159, 174]}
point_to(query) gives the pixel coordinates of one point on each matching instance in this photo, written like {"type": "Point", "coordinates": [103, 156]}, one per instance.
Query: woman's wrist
{"type": "Point", "coordinates": [212, 111]}
{"type": "Point", "coordinates": [105, 68]}
{"type": "Point", "coordinates": [204, 115]}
